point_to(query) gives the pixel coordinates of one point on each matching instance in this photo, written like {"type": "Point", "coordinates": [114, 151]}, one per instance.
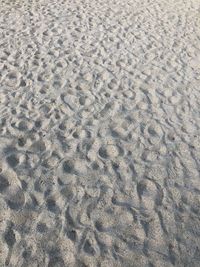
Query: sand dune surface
{"type": "Point", "coordinates": [99, 133]}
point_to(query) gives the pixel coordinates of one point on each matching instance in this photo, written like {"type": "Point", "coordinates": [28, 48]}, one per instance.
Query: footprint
{"type": "Point", "coordinates": [145, 188]}
{"type": "Point", "coordinates": [52, 206]}
{"type": "Point", "coordinates": [12, 79]}
{"type": "Point", "coordinates": [41, 227]}
{"type": "Point", "coordinates": [103, 153]}
{"type": "Point", "coordinates": [21, 142]}
{"type": "Point", "coordinates": [110, 151]}
{"type": "Point", "coordinates": [150, 193]}
{"type": "Point", "coordinates": [52, 161]}
{"type": "Point", "coordinates": [153, 133]}
{"type": "Point", "coordinates": [89, 248]}
{"type": "Point", "coordinates": [72, 235]}
{"type": "Point", "coordinates": [106, 111]}
{"type": "Point", "coordinates": [149, 155]}
{"type": "Point", "coordinates": [4, 184]}
{"type": "Point", "coordinates": [24, 126]}
{"type": "Point", "coordinates": [12, 160]}
{"type": "Point", "coordinates": [38, 146]}
{"type": "Point", "coordinates": [22, 83]}
{"type": "Point", "coordinates": [68, 166]}
{"type": "Point", "coordinates": [10, 239]}
{"type": "Point", "coordinates": [15, 199]}
{"type": "Point", "coordinates": [56, 262]}
{"type": "Point", "coordinates": [55, 258]}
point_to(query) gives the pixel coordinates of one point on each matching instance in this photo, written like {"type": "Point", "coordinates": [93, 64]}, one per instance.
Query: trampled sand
{"type": "Point", "coordinates": [99, 133]}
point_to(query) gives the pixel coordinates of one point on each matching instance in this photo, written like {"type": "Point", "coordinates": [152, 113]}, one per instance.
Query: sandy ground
{"type": "Point", "coordinates": [100, 133]}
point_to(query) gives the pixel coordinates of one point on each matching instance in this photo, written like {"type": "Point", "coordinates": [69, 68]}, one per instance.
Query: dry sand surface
{"type": "Point", "coordinates": [99, 133]}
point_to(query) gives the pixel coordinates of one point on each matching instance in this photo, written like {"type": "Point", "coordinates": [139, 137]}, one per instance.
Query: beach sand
{"type": "Point", "coordinates": [99, 133]}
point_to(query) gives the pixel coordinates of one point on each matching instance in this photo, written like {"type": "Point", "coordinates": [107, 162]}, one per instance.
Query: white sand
{"type": "Point", "coordinates": [99, 133]}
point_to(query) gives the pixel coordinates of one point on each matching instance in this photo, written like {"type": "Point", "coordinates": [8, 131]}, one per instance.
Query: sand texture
{"type": "Point", "coordinates": [100, 133]}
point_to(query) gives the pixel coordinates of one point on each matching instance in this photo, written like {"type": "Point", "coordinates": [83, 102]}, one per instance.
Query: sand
{"type": "Point", "coordinates": [99, 133]}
